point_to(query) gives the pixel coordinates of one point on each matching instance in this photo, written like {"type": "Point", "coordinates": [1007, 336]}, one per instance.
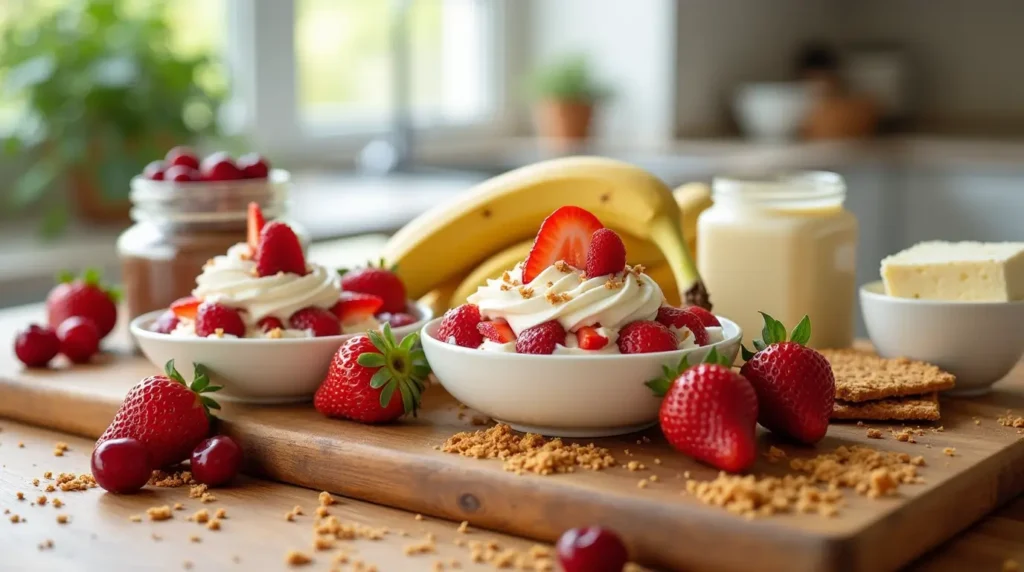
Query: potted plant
{"type": "Point", "coordinates": [103, 93]}
{"type": "Point", "coordinates": [566, 94]}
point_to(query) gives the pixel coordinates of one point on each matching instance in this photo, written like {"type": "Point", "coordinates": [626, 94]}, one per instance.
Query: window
{"type": "Point", "coordinates": [345, 61]}
{"type": "Point", "coordinates": [323, 74]}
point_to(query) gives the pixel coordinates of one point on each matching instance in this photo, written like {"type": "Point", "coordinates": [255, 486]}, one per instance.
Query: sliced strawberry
{"type": "Point", "coordinates": [498, 331]}
{"type": "Point", "coordinates": [707, 318]}
{"type": "Point", "coordinates": [565, 235]}
{"type": "Point", "coordinates": [459, 326]}
{"type": "Point", "coordinates": [186, 307]}
{"type": "Point", "coordinates": [213, 316]}
{"type": "Point", "coordinates": [355, 307]}
{"type": "Point", "coordinates": [680, 318]}
{"type": "Point", "coordinates": [587, 338]}
{"type": "Point", "coordinates": [607, 254]}
{"type": "Point", "coordinates": [255, 226]}
{"type": "Point", "coordinates": [320, 322]}
{"type": "Point", "coordinates": [279, 250]}
{"type": "Point", "coordinates": [644, 337]}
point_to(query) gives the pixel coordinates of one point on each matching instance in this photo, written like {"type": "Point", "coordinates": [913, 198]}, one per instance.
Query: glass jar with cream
{"type": "Point", "coordinates": [783, 245]}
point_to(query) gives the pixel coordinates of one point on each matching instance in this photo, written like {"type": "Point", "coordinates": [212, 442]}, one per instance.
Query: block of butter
{"type": "Point", "coordinates": [964, 271]}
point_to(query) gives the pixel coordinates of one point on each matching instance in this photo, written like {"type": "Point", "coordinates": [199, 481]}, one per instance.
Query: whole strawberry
{"type": "Point", "coordinates": [167, 415]}
{"type": "Point", "coordinates": [374, 379]}
{"type": "Point", "coordinates": [83, 297]}
{"type": "Point", "coordinates": [459, 326]}
{"type": "Point", "coordinates": [709, 412]}
{"type": "Point", "coordinates": [540, 339]}
{"type": "Point", "coordinates": [379, 281]}
{"type": "Point", "coordinates": [279, 250]}
{"type": "Point", "coordinates": [644, 337]}
{"type": "Point", "coordinates": [794, 384]}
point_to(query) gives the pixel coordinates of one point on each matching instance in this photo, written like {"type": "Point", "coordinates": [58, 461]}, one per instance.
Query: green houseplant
{"type": "Point", "coordinates": [103, 93]}
{"type": "Point", "coordinates": [566, 93]}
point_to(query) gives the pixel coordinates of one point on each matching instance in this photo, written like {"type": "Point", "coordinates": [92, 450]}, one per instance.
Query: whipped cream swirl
{"type": "Point", "coordinates": [561, 293]}
{"type": "Point", "coordinates": [231, 280]}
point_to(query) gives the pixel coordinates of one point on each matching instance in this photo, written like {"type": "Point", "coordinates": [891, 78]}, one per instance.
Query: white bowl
{"type": "Point", "coordinates": [978, 342]}
{"type": "Point", "coordinates": [285, 370]}
{"type": "Point", "coordinates": [561, 395]}
{"type": "Point", "coordinates": [772, 111]}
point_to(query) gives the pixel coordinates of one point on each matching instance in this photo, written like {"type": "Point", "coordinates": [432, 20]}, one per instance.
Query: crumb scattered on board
{"type": "Point", "coordinates": [528, 453]}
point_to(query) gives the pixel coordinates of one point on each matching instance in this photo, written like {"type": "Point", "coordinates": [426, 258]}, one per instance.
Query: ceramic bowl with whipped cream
{"type": "Point", "coordinates": [562, 343]}
{"type": "Point", "coordinates": [265, 322]}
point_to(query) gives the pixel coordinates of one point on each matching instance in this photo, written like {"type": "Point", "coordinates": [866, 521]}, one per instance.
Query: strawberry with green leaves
{"type": "Point", "coordinates": [83, 297]}
{"type": "Point", "coordinates": [795, 385]}
{"type": "Point", "coordinates": [166, 414]}
{"type": "Point", "coordinates": [374, 379]}
{"type": "Point", "coordinates": [709, 412]}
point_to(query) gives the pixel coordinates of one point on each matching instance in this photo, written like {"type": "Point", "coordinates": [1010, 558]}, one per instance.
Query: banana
{"type": "Point", "coordinates": [439, 299]}
{"type": "Point", "coordinates": [453, 238]}
{"type": "Point", "coordinates": [692, 199]}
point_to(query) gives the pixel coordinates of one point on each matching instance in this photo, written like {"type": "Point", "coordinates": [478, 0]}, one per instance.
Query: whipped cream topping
{"type": "Point", "coordinates": [231, 280]}
{"type": "Point", "coordinates": [561, 293]}
{"type": "Point", "coordinates": [715, 334]}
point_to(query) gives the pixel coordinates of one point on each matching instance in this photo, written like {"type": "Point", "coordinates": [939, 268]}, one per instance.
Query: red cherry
{"type": "Point", "coordinates": [254, 166]}
{"type": "Point", "coordinates": [219, 167]}
{"type": "Point", "coordinates": [181, 174]}
{"type": "Point", "coordinates": [121, 465]}
{"type": "Point", "coordinates": [216, 460]}
{"type": "Point", "coordinates": [183, 156]}
{"type": "Point", "coordinates": [36, 345]}
{"type": "Point", "coordinates": [154, 171]}
{"type": "Point", "coordinates": [591, 549]}
{"type": "Point", "coordinates": [79, 338]}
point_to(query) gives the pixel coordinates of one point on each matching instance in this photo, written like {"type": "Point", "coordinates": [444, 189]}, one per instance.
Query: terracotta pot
{"type": "Point", "coordinates": [564, 123]}
{"type": "Point", "coordinates": [90, 204]}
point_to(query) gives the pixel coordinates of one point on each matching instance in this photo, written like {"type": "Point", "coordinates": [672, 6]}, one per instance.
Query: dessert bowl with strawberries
{"type": "Point", "coordinates": [266, 323]}
{"type": "Point", "coordinates": [563, 343]}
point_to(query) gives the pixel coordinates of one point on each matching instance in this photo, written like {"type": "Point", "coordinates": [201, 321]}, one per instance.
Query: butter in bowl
{"type": "Point", "coordinates": [958, 305]}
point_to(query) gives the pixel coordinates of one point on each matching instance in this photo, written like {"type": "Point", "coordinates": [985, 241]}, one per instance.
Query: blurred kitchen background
{"type": "Point", "coordinates": [381, 109]}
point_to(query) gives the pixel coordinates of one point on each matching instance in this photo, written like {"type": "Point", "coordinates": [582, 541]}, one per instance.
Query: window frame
{"type": "Point", "coordinates": [260, 51]}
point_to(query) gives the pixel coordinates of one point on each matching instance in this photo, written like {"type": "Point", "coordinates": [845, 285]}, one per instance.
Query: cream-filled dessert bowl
{"type": "Point", "coordinates": [959, 306]}
{"type": "Point", "coordinates": [266, 323]}
{"type": "Point", "coordinates": [563, 343]}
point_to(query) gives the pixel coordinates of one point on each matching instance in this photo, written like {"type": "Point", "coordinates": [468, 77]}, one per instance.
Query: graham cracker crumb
{"type": "Point", "coordinates": [46, 544]}
{"type": "Point", "coordinates": [158, 513]}
{"type": "Point", "coordinates": [425, 546]}
{"type": "Point", "coordinates": [275, 334]}
{"type": "Point", "coordinates": [326, 499]}
{"type": "Point", "coordinates": [525, 292]}
{"type": "Point", "coordinates": [528, 453]}
{"type": "Point", "coordinates": [57, 503]}
{"type": "Point", "coordinates": [635, 466]}
{"type": "Point", "coordinates": [41, 500]}
{"type": "Point", "coordinates": [505, 287]}
{"type": "Point", "coordinates": [641, 484]}
{"type": "Point", "coordinates": [321, 543]}
{"type": "Point", "coordinates": [863, 376]}
{"type": "Point", "coordinates": [657, 461]}
{"type": "Point", "coordinates": [135, 518]}
{"type": "Point", "coordinates": [289, 516]}
{"type": "Point", "coordinates": [949, 451]}
{"type": "Point", "coordinates": [775, 454]}
{"type": "Point", "coordinates": [46, 475]}
{"type": "Point", "coordinates": [418, 517]}
{"type": "Point", "coordinates": [874, 434]}
{"type": "Point", "coordinates": [195, 538]}
{"type": "Point", "coordinates": [207, 498]}
{"type": "Point", "coordinates": [321, 511]}
{"type": "Point", "coordinates": [1011, 420]}
{"type": "Point", "coordinates": [15, 519]}
{"type": "Point", "coordinates": [563, 267]}
{"type": "Point", "coordinates": [50, 489]}
{"type": "Point", "coordinates": [35, 482]}
{"type": "Point", "coordinates": [72, 482]}
{"type": "Point", "coordinates": [175, 479]}
{"type": "Point", "coordinates": [653, 478]}
{"type": "Point", "coordinates": [201, 516]}
{"type": "Point", "coordinates": [904, 436]}
{"type": "Point", "coordinates": [156, 537]}
{"type": "Point", "coordinates": [463, 527]}
{"type": "Point", "coordinates": [20, 495]}
{"type": "Point", "coordinates": [21, 445]}
{"type": "Point", "coordinates": [179, 506]}
{"type": "Point", "coordinates": [296, 558]}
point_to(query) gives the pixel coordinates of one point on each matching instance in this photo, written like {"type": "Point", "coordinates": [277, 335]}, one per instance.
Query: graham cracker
{"type": "Point", "coordinates": [863, 376]}
{"type": "Point", "coordinates": [913, 408]}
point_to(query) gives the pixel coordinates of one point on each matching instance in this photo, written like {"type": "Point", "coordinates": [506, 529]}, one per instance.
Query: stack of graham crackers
{"type": "Point", "coordinates": [872, 388]}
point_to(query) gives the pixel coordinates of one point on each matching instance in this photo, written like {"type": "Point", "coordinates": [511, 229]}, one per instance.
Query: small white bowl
{"type": "Point", "coordinates": [978, 342]}
{"type": "Point", "coordinates": [561, 395]}
{"type": "Point", "coordinates": [285, 370]}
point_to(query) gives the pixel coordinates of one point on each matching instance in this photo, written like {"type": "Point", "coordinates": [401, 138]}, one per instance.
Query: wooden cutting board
{"type": "Point", "coordinates": [398, 465]}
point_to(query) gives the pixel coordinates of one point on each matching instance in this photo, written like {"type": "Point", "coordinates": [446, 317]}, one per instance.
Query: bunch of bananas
{"type": "Point", "coordinates": [446, 253]}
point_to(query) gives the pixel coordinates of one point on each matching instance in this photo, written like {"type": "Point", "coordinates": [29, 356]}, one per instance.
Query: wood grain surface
{"type": "Point", "coordinates": [397, 465]}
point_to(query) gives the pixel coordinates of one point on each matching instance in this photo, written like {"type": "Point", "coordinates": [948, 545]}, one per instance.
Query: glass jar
{"type": "Point", "coordinates": [180, 226]}
{"type": "Point", "coordinates": [783, 245]}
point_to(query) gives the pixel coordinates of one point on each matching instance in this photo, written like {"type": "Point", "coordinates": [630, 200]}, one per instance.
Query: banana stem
{"type": "Point", "coordinates": [667, 234]}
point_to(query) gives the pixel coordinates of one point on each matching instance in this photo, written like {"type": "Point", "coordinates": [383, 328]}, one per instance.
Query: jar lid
{"type": "Point", "coordinates": [798, 189]}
